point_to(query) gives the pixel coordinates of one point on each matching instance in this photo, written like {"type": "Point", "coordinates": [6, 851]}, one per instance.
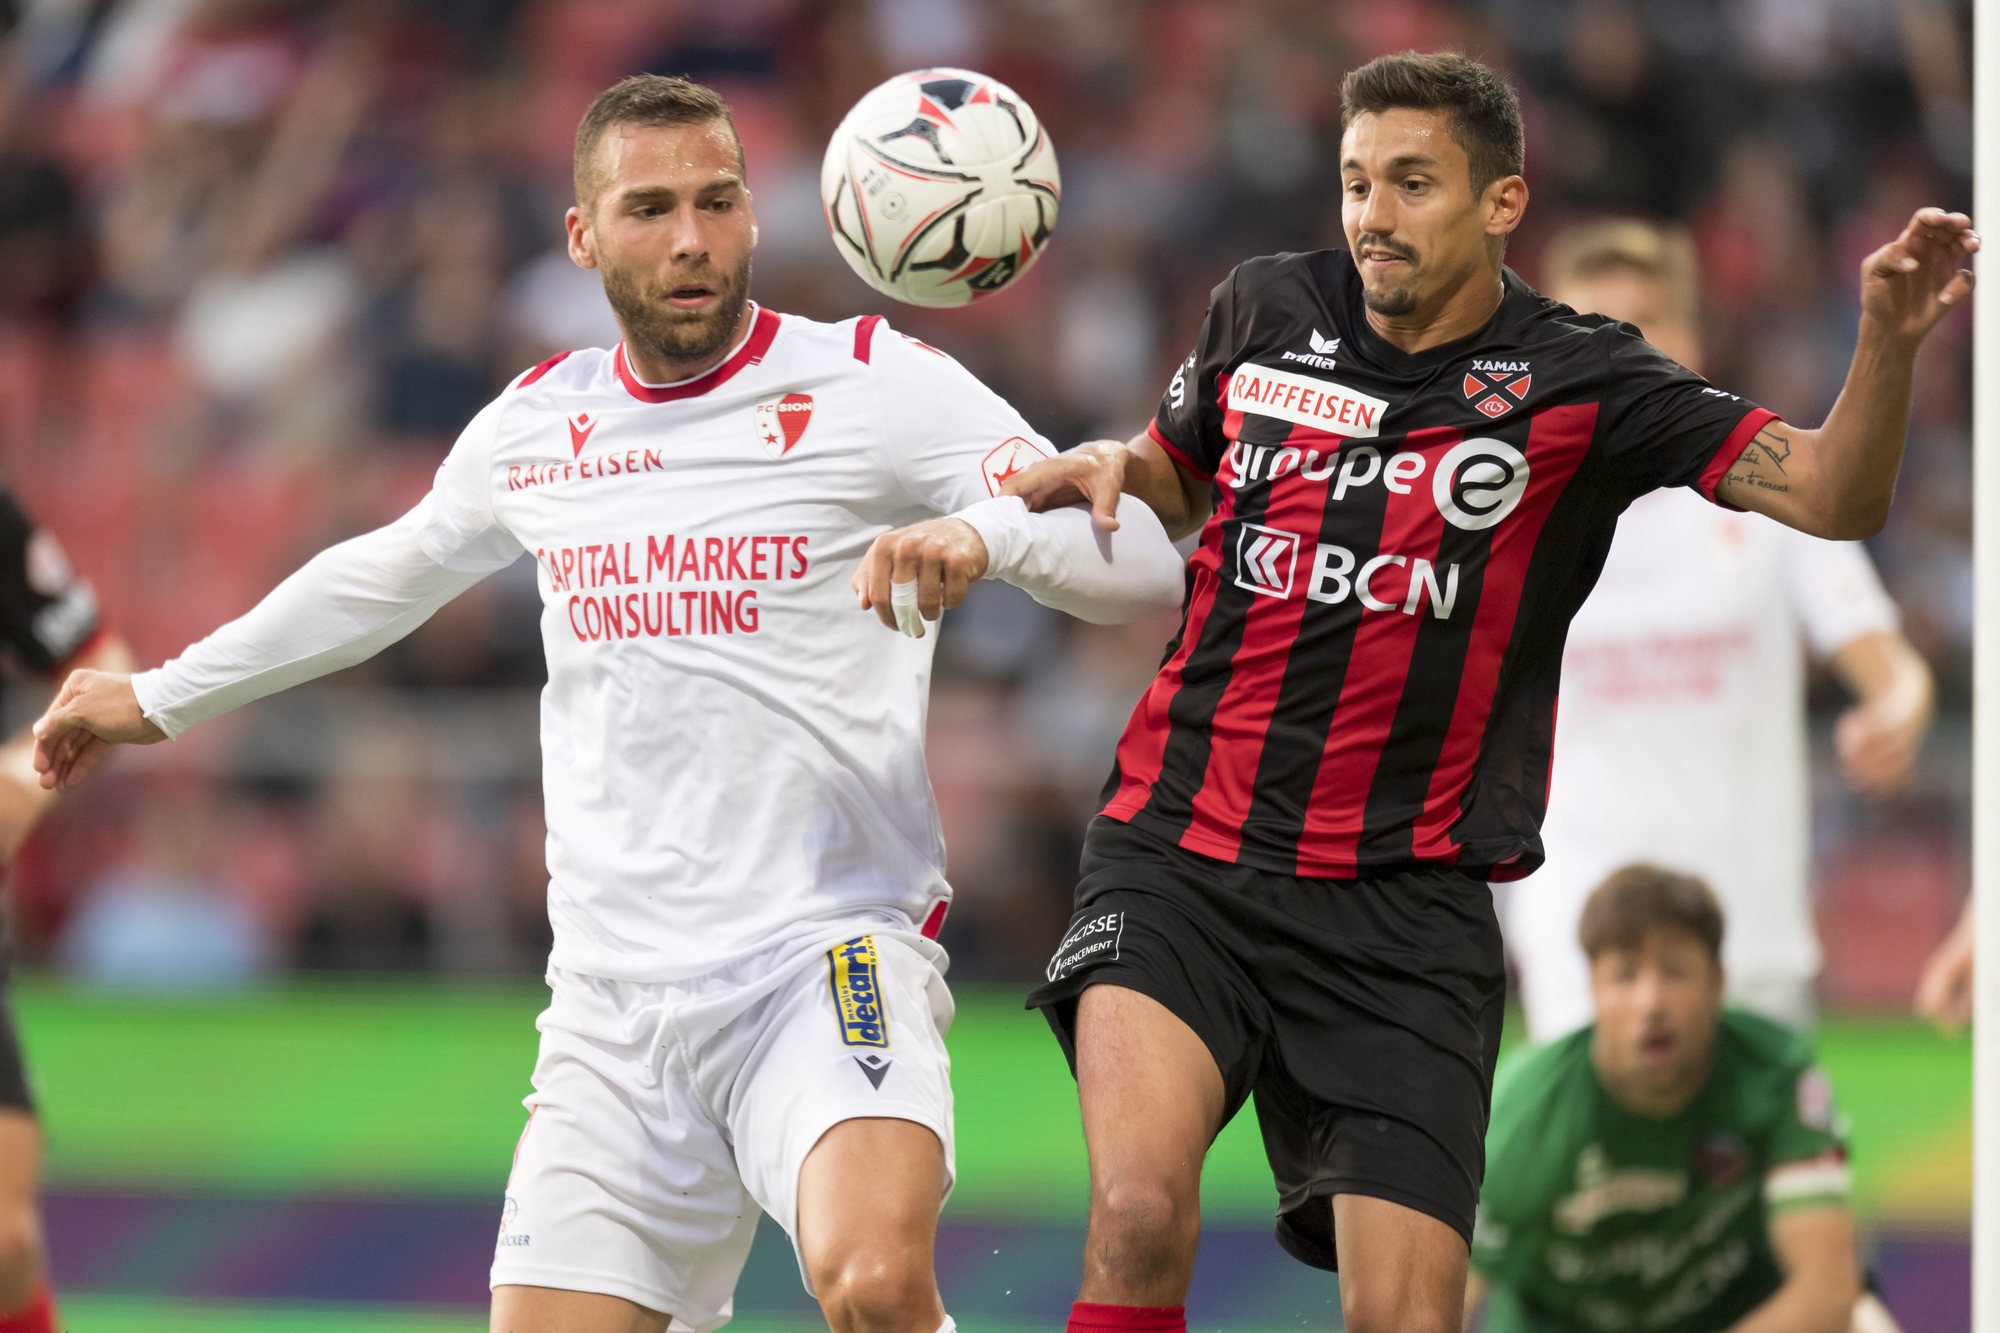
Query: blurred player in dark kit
{"type": "Point", "coordinates": [49, 623]}
{"type": "Point", "coordinates": [1406, 466]}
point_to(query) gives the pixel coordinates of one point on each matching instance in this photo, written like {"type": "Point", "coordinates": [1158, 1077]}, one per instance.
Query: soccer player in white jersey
{"type": "Point", "coordinates": [1681, 736]}
{"type": "Point", "coordinates": [745, 863]}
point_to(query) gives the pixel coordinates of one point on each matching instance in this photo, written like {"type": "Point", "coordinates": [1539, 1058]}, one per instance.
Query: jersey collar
{"type": "Point", "coordinates": [763, 328]}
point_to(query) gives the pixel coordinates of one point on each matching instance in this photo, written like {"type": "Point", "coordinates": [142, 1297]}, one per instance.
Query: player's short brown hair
{"type": "Point", "coordinates": [1485, 115]}
{"type": "Point", "coordinates": [1656, 250]}
{"type": "Point", "coordinates": [650, 100]}
{"type": "Point", "coordinates": [1640, 899]}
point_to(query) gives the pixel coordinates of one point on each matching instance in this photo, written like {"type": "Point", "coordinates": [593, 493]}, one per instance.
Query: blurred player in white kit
{"type": "Point", "coordinates": [1681, 736]}
{"type": "Point", "coordinates": [746, 869]}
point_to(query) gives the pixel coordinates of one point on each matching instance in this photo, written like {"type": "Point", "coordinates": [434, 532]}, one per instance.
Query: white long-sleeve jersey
{"type": "Point", "coordinates": [1682, 736]}
{"type": "Point", "coordinates": [732, 751]}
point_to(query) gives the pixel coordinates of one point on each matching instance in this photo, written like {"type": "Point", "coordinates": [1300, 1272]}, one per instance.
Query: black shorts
{"type": "Point", "coordinates": [1365, 1013]}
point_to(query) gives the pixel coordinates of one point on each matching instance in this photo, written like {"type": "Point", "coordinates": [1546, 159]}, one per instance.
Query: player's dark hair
{"type": "Point", "coordinates": [1640, 899]}
{"type": "Point", "coordinates": [652, 101]}
{"type": "Point", "coordinates": [1485, 116]}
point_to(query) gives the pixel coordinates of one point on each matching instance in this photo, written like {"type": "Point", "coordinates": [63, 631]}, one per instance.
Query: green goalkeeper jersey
{"type": "Point", "coordinates": [1597, 1220]}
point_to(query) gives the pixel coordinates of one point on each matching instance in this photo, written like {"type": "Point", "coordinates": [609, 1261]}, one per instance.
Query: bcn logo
{"type": "Point", "coordinates": [1266, 559]}
{"type": "Point", "coordinates": [1476, 483]}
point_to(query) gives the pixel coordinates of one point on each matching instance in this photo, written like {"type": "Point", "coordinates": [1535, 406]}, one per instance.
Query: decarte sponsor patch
{"type": "Point", "coordinates": [854, 970]}
{"type": "Point", "coordinates": [1305, 401]}
{"type": "Point", "coordinates": [1090, 939]}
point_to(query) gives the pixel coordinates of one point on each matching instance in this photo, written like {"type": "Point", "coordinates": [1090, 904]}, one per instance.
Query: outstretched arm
{"type": "Point", "coordinates": [1097, 473]}
{"type": "Point", "coordinates": [345, 605]}
{"type": "Point", "coordinates": [1062, 559]}
{"type": "Point", "coordinates": [1836, 481]}
{"type": "Point", "coordinates": [23, 797]}
{"type": "Point", "coordinates": [1815, 1247]}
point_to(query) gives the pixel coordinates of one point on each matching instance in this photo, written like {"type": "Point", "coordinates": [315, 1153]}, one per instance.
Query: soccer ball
{"type": "Point", "coordinates": [940, 187]}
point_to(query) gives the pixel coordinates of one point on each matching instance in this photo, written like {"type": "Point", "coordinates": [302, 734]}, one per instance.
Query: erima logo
{"type": "Point", "coordinates": [1322, 352]}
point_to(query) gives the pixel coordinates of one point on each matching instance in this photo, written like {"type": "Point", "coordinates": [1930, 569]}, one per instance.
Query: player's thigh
{"type": "Point", "coordinates": [20, 1170]}
{"type": "Point", "coordinates": [20, 1225]}
{"type": "Point", "coordinates": [842, 1114]}
{"type": "Point", "coordinates": [623, 1185]}
{"type": "Point", "coordinates": [1400, 1268]}
{"type": "Point", "coordinates": [20, 1158]}
{"type": "Point", "coordinates": [522, 1309]}
{"type": "Point", "coordinates": [869, 1193]}
{"type": "Point", "coordinates": [1149, 995]}
{"type": "Point", "coordinates": [1152, 1095]}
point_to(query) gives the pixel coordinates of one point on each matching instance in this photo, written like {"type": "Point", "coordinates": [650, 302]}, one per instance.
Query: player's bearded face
{"type": "Point", "coordinates": [1657, 1009]}
{"type": "Point", "coordinates": [643, 300]}
{"type": "Point", "coordinates": [670, 230]}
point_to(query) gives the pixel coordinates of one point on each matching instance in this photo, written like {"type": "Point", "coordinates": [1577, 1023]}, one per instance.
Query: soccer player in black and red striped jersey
{"type": "Point", "coordinates": [49, 624]}
{"type": "Point", "coordinates": [1406, 466]}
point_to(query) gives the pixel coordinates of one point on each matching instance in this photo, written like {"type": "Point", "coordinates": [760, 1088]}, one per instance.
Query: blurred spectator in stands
{"type": "Point", "coordinates": [163, 919]}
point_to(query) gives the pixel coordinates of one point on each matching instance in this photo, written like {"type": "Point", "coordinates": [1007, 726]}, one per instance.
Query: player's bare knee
{"type": "Point", "coordinates": [875, 1291]}
{"type": "Point", "coordinates": [1143, 1226]}
{"type": "Point", "coordinates": [20, 1256]}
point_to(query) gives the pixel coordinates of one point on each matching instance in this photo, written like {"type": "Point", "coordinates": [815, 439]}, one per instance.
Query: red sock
{"type": "Point", "coordinates": [38, 1316]}
{"type": "Point", "coordinates": [1087, 1318]}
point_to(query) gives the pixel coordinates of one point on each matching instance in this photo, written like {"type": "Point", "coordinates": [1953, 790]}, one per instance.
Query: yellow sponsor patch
{"type": "Point", "coordinates": [854, 971]}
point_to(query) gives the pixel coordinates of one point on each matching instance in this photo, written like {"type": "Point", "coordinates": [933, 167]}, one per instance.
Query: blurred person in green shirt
{"type": "Point", "coordinates": [1679, 1166]}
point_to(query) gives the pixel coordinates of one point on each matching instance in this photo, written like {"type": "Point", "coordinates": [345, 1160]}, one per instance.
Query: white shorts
{"type": "Point", "coordinates": [666, 1114]}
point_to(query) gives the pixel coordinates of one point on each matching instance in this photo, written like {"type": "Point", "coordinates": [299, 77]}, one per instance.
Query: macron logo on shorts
{"type": "Point", "coordinates": [1091, 940]}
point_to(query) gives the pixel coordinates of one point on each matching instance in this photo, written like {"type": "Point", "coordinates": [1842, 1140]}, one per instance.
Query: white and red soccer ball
{"type": "Point", "coordinates": [940, 187]}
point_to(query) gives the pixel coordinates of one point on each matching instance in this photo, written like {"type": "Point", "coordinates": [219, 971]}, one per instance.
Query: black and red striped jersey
{"type": "Point", "coordinates": [1366, 670]}
{"type": "Point", "coordinates": [48, 612]}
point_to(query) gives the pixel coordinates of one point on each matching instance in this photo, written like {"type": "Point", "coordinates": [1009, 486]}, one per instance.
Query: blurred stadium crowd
{"type": "Point", "coordinates": [260, 259]}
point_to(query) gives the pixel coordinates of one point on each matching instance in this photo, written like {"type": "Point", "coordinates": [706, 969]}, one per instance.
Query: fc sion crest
{"type": "Point", "coordinates": [782, 422]}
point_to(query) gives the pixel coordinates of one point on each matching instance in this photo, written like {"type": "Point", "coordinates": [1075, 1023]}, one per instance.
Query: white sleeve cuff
{"type": "Point", "coordinates": [1065, 561]}
{"type": "Point", "coordinates": [146, 688]}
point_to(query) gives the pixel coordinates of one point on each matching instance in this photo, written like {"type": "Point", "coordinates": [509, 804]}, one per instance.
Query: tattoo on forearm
{"type": "Point", "coordinates": [1747, 474]}
{"type": "Point", "coordinates": [1775, 444]}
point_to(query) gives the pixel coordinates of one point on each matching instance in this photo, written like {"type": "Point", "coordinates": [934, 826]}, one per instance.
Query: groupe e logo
{"type": "Point", "coordinates": [1476, 483]}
